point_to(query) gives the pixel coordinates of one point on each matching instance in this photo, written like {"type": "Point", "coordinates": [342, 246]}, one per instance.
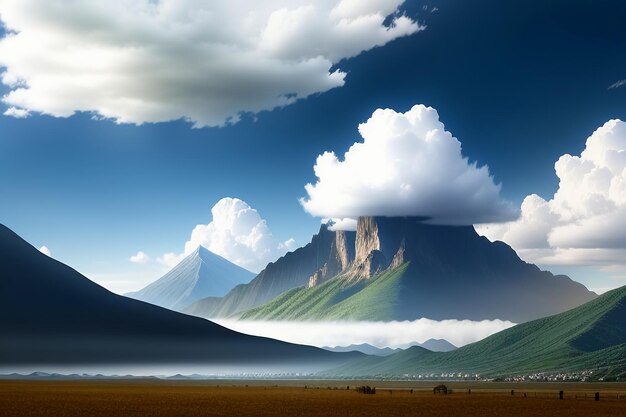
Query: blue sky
{"type": "Point", "coordinates": [519, 84]}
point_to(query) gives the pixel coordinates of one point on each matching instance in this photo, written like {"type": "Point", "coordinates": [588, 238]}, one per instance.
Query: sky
{"type": "Point", "coordinates": [141, 134]}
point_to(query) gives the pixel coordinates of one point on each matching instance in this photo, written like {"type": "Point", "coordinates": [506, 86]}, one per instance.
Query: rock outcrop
{"type": "Point", "coordinates": [339, 260]}
{"type": "Point", "coordinates": [379, 247]}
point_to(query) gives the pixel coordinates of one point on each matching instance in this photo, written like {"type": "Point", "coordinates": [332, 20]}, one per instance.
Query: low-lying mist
{"type": "Point", "coordinates": [377, 333]}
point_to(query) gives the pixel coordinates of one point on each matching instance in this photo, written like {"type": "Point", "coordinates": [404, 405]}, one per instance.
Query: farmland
{"type": "Point", "coordinates": [291, 398]}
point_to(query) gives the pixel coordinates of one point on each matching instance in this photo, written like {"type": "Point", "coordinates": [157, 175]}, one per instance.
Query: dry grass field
{"type": "Point", "coordinates": [189, 399]}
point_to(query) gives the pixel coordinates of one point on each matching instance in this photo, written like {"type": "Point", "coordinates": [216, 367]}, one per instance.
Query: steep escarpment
{"type": "Point", "coordinates": [379, 246]}
{"type": "Point", "coordinates": [340, 258]}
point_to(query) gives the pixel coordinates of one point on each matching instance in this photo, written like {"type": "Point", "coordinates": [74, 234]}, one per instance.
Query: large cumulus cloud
{"type": "Point", "coordinates": [236, 232]}
{"type": "Point", "coordinates": [407, 165]}
{"type": "Point", "coordinates": [141, 61]}
{"type": "Point", "coordinates": [585, 221]}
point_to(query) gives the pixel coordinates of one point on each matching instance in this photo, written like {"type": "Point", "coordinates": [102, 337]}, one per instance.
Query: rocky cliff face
{"type": "Point", "coordinates": [380, 245]}
{"type": "Point", "coordinates": [398, 258]}
{"type": "Point", "coordinates": [367, 239]}
{"type": "Point", "coordinates": [339, 259]}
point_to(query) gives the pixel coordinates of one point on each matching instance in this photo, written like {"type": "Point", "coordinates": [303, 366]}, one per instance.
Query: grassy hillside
{"type": "Point", "coordinates": [589, 337]}
{"type": "Point", "coordinates": [336, 299]}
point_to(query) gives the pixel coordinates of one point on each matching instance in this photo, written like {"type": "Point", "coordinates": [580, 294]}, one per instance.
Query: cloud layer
{"type": "Point", "coordinates": [585, 221]}
{"type": "Point", "coordinates": [407, 165]}
{"type": "Point", "coordinates": [236, 232]}
{"type": "Point", "coordinates": [377, 333]}
{"type": "Point", "coordinates": [141, 61]}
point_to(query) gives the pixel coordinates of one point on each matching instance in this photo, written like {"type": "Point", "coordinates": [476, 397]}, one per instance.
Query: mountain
{"type": "Point", "coordinates": [201, 274]}
{"type": "Point", "coordinates": [327, 254]}
{"type": "Point", "coordinates": [591, 337]}
{"type": "Point", "coordinates": [405, 269]}
{"type": "Point", "coordinates": [435, 345]}
{"type": "Point", "coordinates": [364, 348]}
{"type": "Point", "coordinates": [51, 314]}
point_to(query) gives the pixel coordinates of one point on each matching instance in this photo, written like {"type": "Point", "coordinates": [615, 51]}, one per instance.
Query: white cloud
{"type": "Point", "coordinates": [377, 333]}
{"type": "Point", "coordinates": [288, 245]}
{"type": "Point", "coordinates": [141, 61]}
{"type": "Point", "coordinates": [407, 165]}
{"type": "Point", "coordinates": [17, 113]}
{"type": "Point", "coordinates": [341, 224]}
{"type": "Point", "coordinates": [45, 251]}
{"type": "Point", "coordinates": [171, 259]}
{"type": "Point", "coordinates": [238, 233]}
{"type": "Point", "coordinates": [585, 221]}
{"type": "Point", "coordinates": [617, 84]}
{"type": "Point", "coordinates": [140, 258]}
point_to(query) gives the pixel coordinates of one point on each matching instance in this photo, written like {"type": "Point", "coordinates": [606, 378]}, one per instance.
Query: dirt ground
{"type": "Point", "coordinates": [222, 398]}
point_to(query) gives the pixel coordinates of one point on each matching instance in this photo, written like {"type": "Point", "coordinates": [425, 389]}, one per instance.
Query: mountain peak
{"type": "Point", "coordinates": [203, 254]}
{"type": "Point", "coordinates": [200, 249]}
{"type": "Point", "coordinates": [200, 274]}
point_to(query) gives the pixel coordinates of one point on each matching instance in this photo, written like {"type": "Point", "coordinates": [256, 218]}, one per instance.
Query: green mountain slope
{"type": "Point", "coordinates": [336, 299]}
{"type": "Point", "coordinates": [588, 337]}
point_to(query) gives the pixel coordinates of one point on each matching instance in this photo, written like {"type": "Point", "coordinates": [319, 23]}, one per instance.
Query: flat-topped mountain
{"type": "Point", "coordinates": [405, 269]}
{"type": "Point", "coordinates": [51, 314]}
{"type": "Point", "coordinates": [201, 274]}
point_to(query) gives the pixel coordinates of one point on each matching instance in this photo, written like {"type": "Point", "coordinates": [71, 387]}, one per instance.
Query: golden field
{"type": "Point", "coordinates": [290, 398]}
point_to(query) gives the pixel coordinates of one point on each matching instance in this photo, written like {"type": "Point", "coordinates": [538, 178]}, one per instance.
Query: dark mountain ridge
{"type": "Point", "coordinates": [51, 314]}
